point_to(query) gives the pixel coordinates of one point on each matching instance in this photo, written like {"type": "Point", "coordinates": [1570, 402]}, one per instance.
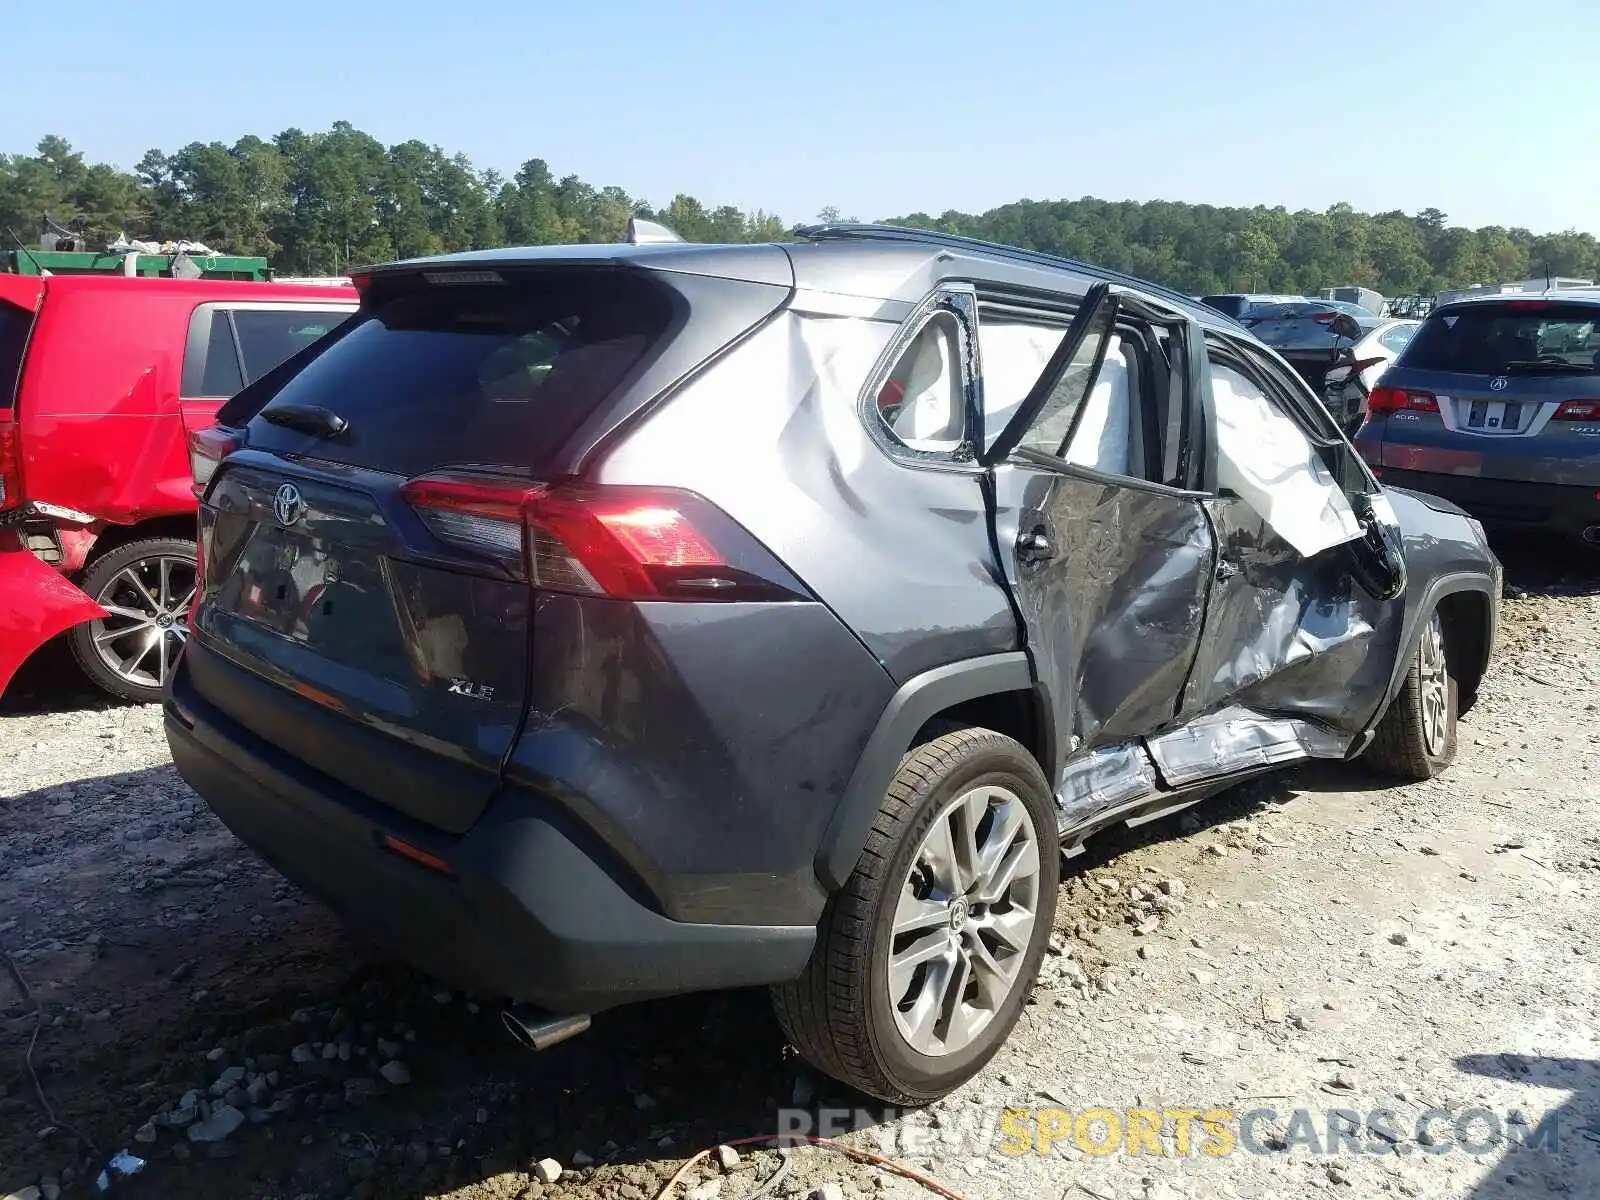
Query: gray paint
{"type": "Point", "coordinates": [721, 764]}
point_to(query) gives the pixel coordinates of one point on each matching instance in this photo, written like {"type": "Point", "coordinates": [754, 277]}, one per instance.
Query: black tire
{"type": "Point", "coordinates": [839, 1014]}
{"type": "Point", "coordinates": [143, 560]}
{"type": "Point", "coordinates": [1409, 743]}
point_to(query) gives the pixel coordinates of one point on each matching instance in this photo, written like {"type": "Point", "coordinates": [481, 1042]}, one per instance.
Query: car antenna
{"type": "Point", "coordinates": [22, 246]}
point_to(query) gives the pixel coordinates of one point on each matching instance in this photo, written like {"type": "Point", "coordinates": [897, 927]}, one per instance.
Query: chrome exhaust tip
{"type": "Point", "coordinates": [539, 1030]}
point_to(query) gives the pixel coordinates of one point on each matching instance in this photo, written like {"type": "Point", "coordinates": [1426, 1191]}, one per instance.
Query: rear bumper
{"type": "Point", "coordinates": [533, 911]}
{"type": "Point", "coordinates": [1507, 503]}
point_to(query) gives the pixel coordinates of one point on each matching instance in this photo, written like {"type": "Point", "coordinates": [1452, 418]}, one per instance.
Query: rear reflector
{"type": "Point", "coordinates": [626, 542]}
{"type": "Point", "coordinates": [207, 448]}
{"type": "Point", "coordinates": [417, 855]}
{"type": "Point", "coordinates": [1389, 399]}
{"type": "Point", "coordinates": [1578, 410]}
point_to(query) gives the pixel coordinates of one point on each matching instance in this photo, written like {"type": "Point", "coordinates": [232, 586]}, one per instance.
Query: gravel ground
{"type": "Point", "coordinates": [1312, 941]}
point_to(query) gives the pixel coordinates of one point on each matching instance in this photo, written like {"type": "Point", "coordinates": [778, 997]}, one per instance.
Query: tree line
{"type": "Point", "coordinates": [320, 203]}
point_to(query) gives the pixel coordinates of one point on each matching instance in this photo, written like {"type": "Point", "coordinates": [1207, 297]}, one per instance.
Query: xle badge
{"type": "Point", "coordinates": [472, 691]}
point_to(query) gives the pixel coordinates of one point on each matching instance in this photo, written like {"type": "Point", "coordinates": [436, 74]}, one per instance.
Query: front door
{"type": "Point", "coordinates": [1106, 546]}
{"type": "Point", "coordinates": [1298, 634]}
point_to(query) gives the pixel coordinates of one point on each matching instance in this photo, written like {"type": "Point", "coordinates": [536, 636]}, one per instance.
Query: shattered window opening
{"type": "Point", "coordinates": [922, 402]}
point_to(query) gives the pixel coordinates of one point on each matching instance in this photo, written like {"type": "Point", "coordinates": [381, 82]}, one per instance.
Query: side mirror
{"type": "Point", "coordinates": [1377, 559]}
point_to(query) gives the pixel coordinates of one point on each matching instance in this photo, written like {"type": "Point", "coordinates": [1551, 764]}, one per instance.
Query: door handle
{"type": "Point", "coordinates": [1035, 546]}
{"type": "Point", "coordinates": [1226, 570]}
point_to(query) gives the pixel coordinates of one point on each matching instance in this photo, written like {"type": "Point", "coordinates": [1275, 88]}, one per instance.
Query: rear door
{"type": "Point", "coordinates": [385, 630]}
{"type": "Point", "coordinates": [1100, 532]}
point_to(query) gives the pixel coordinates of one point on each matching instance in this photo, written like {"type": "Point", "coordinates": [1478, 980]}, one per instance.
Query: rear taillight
{"type": "Point", "coordinates": [207, 448]}
{"type": "Point", "coordinates": [485, 515]}
{"type": "Point", "coordinates": [626, 542]}
{"type": "Point", "coordinates": [1391, 399]}
{"type": "Point", "coordinates": [1578, 410]}
{"type": "Point", "coordinates": [10, 463]}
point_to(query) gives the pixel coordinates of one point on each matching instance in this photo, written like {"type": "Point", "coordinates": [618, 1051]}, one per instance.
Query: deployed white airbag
{"type": "Point", "coordinates": [1105, 429]}
{"type": "Point", "coordinates": [1263, 456]}
{"type": "Point", "coordinates": [1013, 356]}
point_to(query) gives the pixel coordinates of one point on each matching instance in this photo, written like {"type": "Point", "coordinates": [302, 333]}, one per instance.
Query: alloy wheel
{"type": "Point", "coordinates": [147, 605]}
{"type": "Point", "coordinates": [1435, 691]}
{"type": "Point", "coordinates": [964, 919]}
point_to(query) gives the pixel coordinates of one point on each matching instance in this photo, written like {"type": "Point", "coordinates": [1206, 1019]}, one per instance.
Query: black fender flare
{"type": "Point", "coordinates": [1444, 585]}
{"type": "Point", "coordinates": [911, 707]}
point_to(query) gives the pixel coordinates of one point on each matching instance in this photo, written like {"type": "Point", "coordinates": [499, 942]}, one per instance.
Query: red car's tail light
{"type": "Point", "coordinates": [630, 543]}
{"type": "Point", "coordinates": [1578, 410]}
{"type": "Point", "coordinates": [10, 463]}
{"type": "Point", "coordinates": [207, 448]}
{"type": "Point", "coordinates": [1390, 399]}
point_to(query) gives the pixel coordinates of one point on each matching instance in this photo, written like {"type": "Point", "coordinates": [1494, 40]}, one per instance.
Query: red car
{"type": "Point", "coordinates": [102, 378]}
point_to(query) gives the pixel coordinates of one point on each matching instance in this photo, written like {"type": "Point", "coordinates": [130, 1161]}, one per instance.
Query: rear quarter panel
{"type": "Point", "coordinates": [772, 435]}
{"type": "Point", "coordinates": [102, 429]}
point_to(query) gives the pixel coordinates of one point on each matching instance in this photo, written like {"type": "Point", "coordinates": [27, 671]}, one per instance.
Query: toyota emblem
{"type": "Point", "coordinates": [1498, 383]}
{"type": "Point", "coordinates": [288, 505]}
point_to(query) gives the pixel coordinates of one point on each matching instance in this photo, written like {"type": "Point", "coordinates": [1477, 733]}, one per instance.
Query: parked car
{"type": "Point", "coordinates": [601, 623]}
{"type": "Point", "coordinates": [1315, 337]}
{"type": "Point", "coordinates": [1238, 304]}
{"type": "Point", "coordinates": [1495, 405]}
{"type": "Point", "coordinates": [1357, 370]}
{"type": "Point", "coordinates": [101, 377]}
{"type": "Point", "coordinates": [1359, 311]}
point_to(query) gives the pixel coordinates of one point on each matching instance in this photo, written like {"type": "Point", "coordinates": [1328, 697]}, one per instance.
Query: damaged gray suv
{"type": "Point", "coordinates": [610, 622]}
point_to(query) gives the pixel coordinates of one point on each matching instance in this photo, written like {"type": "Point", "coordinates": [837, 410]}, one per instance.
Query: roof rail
{"type": "Point", "coordinates": [955, 241]}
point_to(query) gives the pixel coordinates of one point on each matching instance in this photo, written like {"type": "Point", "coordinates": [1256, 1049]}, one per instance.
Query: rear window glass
{"type": "Point", "coordinates": [485, 375]}
{"type": "Point", "coordinates": [14, 325]}
{"type": "Point", "coordinates": [1501, 339]}
{"type": "Point", "coordinates": [269, 336]}
{"type": "Point", "coordinates": [221, 377]}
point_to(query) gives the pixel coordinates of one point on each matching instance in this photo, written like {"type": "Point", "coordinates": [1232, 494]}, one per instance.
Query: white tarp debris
{"type": "Point", "coordinates": [126, 245]}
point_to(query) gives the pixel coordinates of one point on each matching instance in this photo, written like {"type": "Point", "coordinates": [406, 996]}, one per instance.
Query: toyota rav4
{"type": "Point", "coordinates": [601, 623]}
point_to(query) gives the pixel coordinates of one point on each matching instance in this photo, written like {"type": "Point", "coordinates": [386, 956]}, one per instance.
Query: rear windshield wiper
{"type": "Point", "coordinates": [307, 418]}
{"type": "Point", "coordinates": [1528, 366]}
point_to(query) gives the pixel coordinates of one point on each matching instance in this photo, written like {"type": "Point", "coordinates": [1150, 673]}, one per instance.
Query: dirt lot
{"type": "Point", "coordinates": [1312, 941]}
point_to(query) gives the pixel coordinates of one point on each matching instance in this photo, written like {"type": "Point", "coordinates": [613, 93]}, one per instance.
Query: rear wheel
{"type": "Point", "coordinates": [926, 956]}
{"type": "Point", "coordinates": [147, 589]}
{"type": "Point", "coordinates": [1417, 737]}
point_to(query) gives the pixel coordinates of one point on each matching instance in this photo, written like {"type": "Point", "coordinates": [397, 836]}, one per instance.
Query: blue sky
{"type": "Point", "coordinates": [1485, 110]}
